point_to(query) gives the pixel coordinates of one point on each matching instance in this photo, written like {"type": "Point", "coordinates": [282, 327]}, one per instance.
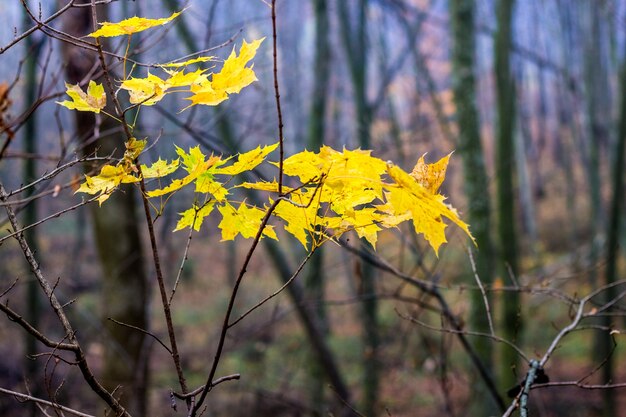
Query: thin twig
{"type": "Point", "coordinates": [278, 291]}
{"type": "Point", "coordinates": [25, 397]}
{"type": "Point", "coordinates": [277, 94]}
{"type": "Point", "coordinates": [200, 388]}
{"type": "Point", "coordinates": [155, 337]}
{"type": "Point", "coordinates": [482, 291]}
{"type": "Point", "coordinates": [464, 332]}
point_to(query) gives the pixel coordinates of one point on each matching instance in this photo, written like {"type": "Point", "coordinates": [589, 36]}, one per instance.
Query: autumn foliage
{"type": "Point", "coordinates": [331, 191]}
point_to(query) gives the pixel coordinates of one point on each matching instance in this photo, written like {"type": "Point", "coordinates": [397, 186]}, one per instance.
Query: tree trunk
{"type": "Point", "coordinates": [613, 235]}
{"type": "Point", "coordinates": [315, 278]}
{"type": "Point", "coordinates": [355, 44]}
{"type": "Point", "coordinates": [505, 158]}
{"type": "Point", "coordinates": [116, 230]}
{"type": "Point", "coordinates": [476, 182]}
{"type": "Point", "coordinates": [33, 49]}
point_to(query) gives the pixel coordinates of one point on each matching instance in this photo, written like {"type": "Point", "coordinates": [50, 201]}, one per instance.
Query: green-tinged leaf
{"type": "Point", "coordinates": [194, 216]}
{"type": "Point", "coordinates": [159, 168]}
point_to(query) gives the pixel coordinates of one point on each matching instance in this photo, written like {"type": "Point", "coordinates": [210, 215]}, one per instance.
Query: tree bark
{"type": "Point", "coordinates": [315, 277]}
{"type": "Point", "coordinates": [505, 158]}
{"type": "Point", "coordinates": [613, 236]}
{"type": "Point", "coordinates": [476, 182]}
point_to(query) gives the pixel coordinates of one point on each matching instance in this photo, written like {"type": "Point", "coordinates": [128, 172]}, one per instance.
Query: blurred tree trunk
{"type": "Point", "coordinates": [613, 236]}
{"type": "Point", "coordinates": [505, 159]}
{"type": "Point", "coordinates": [116, 230]}
{"type": "Point", "coordinates": [315, 278]}
{"type": "Point", "coordinates": [31, 84]}
{"type": "Point", "coordinates": [595, 128]}
{"type": "Point", "coordinates": [476, 182]}
{"type": "Point", "coordinates": [353, 33]}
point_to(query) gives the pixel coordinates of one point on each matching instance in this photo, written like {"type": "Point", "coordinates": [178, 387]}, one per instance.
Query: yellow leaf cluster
{"type": "Point", "coordinates": [206, 88]}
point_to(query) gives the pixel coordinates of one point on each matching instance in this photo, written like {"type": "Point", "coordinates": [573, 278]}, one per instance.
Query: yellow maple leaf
{"type": "Point", "coordinates": [159, 169]}
{"type": "Point", "coordinates": [234, 75]}
{"type": "Point", "coordinates": [364, 222]}
{"type": "Point", "coordinates": [129, 26]}
{"type": "Point", "coordinates": [426, 209]}
{"type": "Point", "coordinates": [244, 220]}
{"type": "Point", "coordinates": [93, 100]}
{"type": "Point", "coordinates": [248, 160]}
{"type": "Point", "coordinates": [134, 148]}
{"type": "Point", "coordinates": [109, 178]}
{"type": "Point", "coordinates": [300, 217]}
{"type": "Point", "coordinates": [205, 183]}
{"type": "Point", "coordinates": [353, 178]}
{"type": "Point", "coordinates": [204, 93]}
{"type": "Point", "coordinates": [147, 91]}
{"type": "Point", "coordinates": [188, 62]}
{"type": "Point", "coordinates": [183, 79]}
{"type": "Point", "coordinates": [431, 176]}
{"type": "Point", "coordinates": [305, 165]}
{"type": "Point", "coordinates": [194, 216]}
{"type": "Point", "coordinates": [195, 163]}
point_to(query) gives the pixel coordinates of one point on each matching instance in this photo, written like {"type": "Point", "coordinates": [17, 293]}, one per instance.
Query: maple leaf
{"type": "Point", "coordinates": [188, 62]}
{"type": "Point", "coordinates": [353, 178]}
{"type": "Point", "coordinates": [129, 26]}
{"type": "Point", "coordinates": [248, 160]}
{"type": "Point", "coordinates": [234, 74]}
{"type": "Point", "coordinates": [194, 216]}
{"type": "Point", "coordinates": [147, 91]}
{"type": "Point", "coordinates": [134, 148]}
{"type": "Point", "coordinates": [364, 222]}
{"type": "Point", "coordinates": [204, 93]}
{"type": "Point", "coordinates": [195, 163]}
{"type": "Point", "coordinates": [109, 178]}
{"type": "Point", "coordinates": [426, 208]}
{"type": "Point", "coordinates": [244, 220]}
{"type": "Point", "coordinates": [431, 176]}
{"type": "Point", "coordinates": [159, 169]}
{"type": "Point", "coordinates": [231, 79]}
{"type": "Point", "coordinates": [300, 217]}
{"type": "Point", "coordinates": [93, 100]}
{"type": "Point", "coordinates": [182, 78]}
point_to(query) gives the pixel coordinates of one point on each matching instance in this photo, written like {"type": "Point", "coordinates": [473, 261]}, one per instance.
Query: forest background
{"type": "Point", "coordinates": [530, 98]}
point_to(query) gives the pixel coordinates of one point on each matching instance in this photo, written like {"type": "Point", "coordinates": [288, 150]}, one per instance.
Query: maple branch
{"type": "Point", "coordinates": [482, 291]}
{"type": "Point", "coordinates": [277, 95]}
